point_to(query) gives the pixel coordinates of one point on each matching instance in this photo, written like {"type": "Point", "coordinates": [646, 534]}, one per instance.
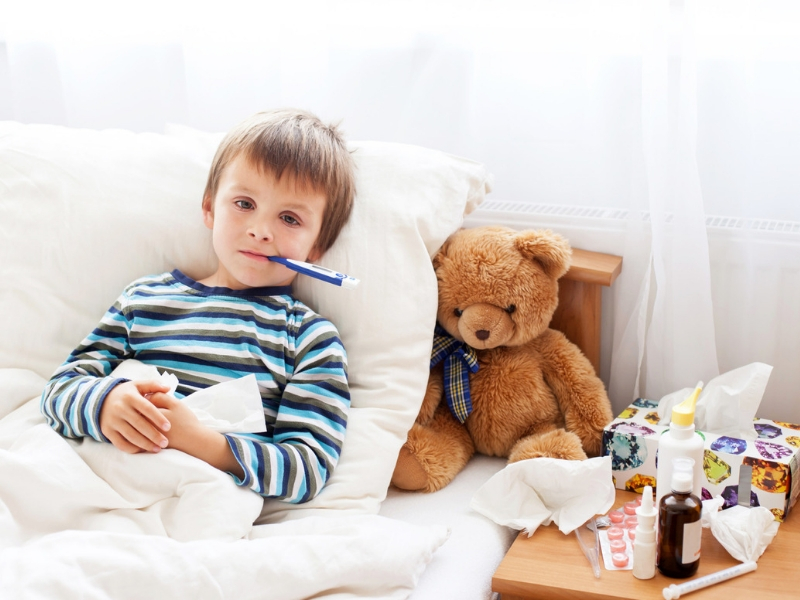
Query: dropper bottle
{"type": "Point", "coordinates": [644, 549]}
{"type": "Point", "coordinates": [680, 441]}
{"type": "Point", "coordinates": [679, 525]}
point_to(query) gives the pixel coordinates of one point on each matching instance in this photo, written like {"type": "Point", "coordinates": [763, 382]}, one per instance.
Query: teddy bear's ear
{"type": "Point", "coordinates": [442, 252]}
{"type": "Point", "coordinates": [549, 249]}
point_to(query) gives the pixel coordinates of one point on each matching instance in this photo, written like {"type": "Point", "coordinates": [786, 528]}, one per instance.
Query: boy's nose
{"type": "Point", "coordinates": [260, 232]}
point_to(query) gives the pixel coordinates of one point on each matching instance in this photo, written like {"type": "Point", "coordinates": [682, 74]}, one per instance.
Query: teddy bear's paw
{"type": "Point", "coordinates": [591, 439]}
{"type": "Point", "coordinates": [593, 446]}
{"type": "Point", "coordinates": [432, 456]}
{"type": "Point", "coordinates": [408, 472]}
{"type": "Point", "coordinates": [553, 444]}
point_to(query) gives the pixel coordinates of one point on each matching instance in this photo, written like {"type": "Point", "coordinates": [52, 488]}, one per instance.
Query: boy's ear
{"type": "Point", "coordinates": [314, 255]}
{"type": "Point", "coordinates": [208, 218]}
{"type": "Point", "coordinates": [208, 215]}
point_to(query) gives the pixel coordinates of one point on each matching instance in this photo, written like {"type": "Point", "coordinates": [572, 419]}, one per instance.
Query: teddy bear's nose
{"type": "Point", "coordinates": [482, 334]}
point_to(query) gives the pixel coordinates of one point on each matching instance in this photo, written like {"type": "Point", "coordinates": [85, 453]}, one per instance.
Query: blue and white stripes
{"type": "Point", "coordinates": [209, 335]}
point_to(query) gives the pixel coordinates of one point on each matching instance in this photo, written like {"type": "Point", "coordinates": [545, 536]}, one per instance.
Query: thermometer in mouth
{"type": "Point", "coordinates": [317, 272]}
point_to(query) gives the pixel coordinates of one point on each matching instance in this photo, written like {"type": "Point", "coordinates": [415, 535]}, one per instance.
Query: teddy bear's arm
{"type": "Point", "coordinates": [433, 395]}
{"type": "Point", "coordinates": [579, 392]}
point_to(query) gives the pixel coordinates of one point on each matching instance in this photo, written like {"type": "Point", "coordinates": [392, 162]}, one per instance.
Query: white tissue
{"type": "Point", "coordinates": [744, 532]}
{"type": "Point", "coordinates": [538, 491]}
{"type": "Point", "coordinates": [230, 407]}
{"type": "Point", "coordinates": [728, 403]}
{"type": "Point", "coordinates": [167, 379]}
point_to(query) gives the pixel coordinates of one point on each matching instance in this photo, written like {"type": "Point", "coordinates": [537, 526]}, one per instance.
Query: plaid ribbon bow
{"type": "Point", "coordinates": [459, 361]}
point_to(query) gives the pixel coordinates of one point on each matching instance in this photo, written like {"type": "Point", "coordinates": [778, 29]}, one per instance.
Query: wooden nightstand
{"type": "Point", "coordinates": [550, 566]}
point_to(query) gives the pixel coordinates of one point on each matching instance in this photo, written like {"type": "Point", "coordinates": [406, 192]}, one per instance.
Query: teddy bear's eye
{"type": "Point", "coordinates": [458, 312]}
{"type": "Point", "coordinates": [511, 308]}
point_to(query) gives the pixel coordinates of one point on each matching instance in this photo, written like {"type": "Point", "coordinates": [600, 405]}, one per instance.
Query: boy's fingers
{"type": "Point", "coordinates": [148, 410]}
{"type": "Point", "coordinates": [146, 429]}
{"type": "Point", "coordinates": [122, 444]}
{"type": "Point", "coordinates": [135, 437]}
{"type": "Point", "coordinates": [161, 400]}
{"type": "Point", "coordinates": [149, 387]}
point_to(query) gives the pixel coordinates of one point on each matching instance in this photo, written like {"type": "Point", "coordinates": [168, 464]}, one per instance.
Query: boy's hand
{"type": "Point", "coordinates": [130, 421]}
{"type": "Point", "coordinates": [189, 435]}
{"type": "Point", "coordinates": [185, 428]}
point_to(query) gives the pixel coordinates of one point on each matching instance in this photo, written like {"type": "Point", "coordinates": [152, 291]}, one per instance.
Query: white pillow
{"type": "Point", "coordinates": [82, 213]}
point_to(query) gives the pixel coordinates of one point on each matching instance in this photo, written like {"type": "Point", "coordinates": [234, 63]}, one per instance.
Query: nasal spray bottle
{"type": "Point", "coordinates": [680, 441]}
{"type": "Point", "coordinates": [679, 525]}
{"type": "Point", "coordinates": [644, 548]}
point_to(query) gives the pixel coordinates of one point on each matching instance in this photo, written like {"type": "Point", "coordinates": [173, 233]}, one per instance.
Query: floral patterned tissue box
{"type": "Point", "coordinates": [632, 442]}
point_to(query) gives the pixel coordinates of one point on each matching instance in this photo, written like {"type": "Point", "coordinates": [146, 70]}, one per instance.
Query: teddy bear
{"type": "Point", "coordinates": [502, 383]}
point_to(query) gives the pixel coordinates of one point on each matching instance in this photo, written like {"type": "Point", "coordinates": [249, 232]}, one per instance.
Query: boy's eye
{"type": "Point", "coordinates": [244, 204]}
{"type": "Point", "coordinates": [290, 220]}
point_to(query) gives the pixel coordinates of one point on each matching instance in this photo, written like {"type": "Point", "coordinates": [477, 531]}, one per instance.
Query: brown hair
{"type": "Point", "coordinates": [296, 142]}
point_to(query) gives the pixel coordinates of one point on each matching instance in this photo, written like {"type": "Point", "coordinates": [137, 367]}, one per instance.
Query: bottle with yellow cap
{"type": "Point", "coordinates": [680, 441]}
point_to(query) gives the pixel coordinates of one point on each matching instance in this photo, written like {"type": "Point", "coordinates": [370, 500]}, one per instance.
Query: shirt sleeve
{"type": "Point", "coordinates": [310, 426]}
{"type": "Point", "coordinates": [73, 397]}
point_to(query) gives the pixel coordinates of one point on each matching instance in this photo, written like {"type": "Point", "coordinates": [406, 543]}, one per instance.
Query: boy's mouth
{"type": "Point", "coordinates": [255, 255]}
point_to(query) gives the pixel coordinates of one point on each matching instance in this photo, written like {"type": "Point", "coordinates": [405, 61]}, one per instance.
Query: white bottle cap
{"type": "Point", "coordinates": [682, 475]}
{"type": "Point", "coordinates": [646, 511]}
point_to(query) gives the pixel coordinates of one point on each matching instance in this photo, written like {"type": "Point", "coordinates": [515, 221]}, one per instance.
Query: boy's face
{"type": "Point", "coordinates": [253, 216]}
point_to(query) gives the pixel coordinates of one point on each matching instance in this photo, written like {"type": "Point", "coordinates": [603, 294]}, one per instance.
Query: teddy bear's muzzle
{"type": "Point", "coordinates": [485, 326]}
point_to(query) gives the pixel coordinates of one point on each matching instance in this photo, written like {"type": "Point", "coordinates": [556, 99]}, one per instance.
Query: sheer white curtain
{"type": "Point", "coordinates": [719, 121]}
{"type": "Point", "coordinates": [670, 316]}
{"type": "Point", "coordinates": [672, 110]}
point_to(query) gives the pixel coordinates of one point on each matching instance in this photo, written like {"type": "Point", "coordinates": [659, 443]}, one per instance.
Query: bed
{"type": "Point", "coordinates": [84, 212]}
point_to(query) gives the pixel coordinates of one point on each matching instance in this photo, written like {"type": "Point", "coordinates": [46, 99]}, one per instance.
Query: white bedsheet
{"type": "Point", "coordinates": [462, 569]}
{"type": "Point", "coordinates": [80, 519]}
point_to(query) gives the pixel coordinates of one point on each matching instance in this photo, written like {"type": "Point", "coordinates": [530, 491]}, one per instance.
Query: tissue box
{"type": "Point", "coordinates": [632, 441]}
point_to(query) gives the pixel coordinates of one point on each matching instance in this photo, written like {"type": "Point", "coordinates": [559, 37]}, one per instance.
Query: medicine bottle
{"type": "Point", "coordinates": [644, 550]}
{"type": "Point", "coordinates": [680, 441]}
{"type": "Point", "coordinates": [679, 526]}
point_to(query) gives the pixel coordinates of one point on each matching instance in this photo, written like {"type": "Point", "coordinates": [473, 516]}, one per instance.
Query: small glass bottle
{"type": "Point", "coordinates": [679, 526]}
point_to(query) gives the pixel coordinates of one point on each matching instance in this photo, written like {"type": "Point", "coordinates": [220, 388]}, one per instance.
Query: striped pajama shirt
{"type": "Point", "coordinates": [207, 335]}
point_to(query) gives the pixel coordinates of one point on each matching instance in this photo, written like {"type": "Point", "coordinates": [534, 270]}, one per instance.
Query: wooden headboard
{"type": "Point", "coordinates": [579, 300]}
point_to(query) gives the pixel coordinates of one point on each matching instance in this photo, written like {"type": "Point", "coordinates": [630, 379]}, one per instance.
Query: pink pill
{"type": "Point", "coordinates": [617, 546]}
{"type": "Point", "coordinates": [632, 534]}
{"type": "Point", "coordinates": [620, 559]}
{"type": "Point", "coordinates": [630, 522]}
{"type": "Point", "coordinates": [615, 533]}
{"type": "Point", "coordinates": [630, 508]}
{"type": "Point", "coordinates": [616, 516]}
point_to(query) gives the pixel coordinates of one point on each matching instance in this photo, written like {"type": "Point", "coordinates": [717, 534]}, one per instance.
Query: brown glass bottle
{"type": "Point", "coordinates": [679, 527]}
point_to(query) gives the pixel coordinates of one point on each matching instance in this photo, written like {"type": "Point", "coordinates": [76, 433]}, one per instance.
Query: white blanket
{"type": "Point", "coordinates": [81, 519]}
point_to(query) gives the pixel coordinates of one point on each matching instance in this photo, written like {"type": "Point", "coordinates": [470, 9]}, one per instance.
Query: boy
{"type": "Point", "coordinates": [281, 183]}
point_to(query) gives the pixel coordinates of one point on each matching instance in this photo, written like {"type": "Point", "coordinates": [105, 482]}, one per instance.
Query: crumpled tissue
{"type": "Point", "coordinates": [230, 407]}
{"type": "Point", "coordinates": [540, 491]}
{"type": "Point", "coordinates": [727, 404]}
{"type": "Point", "coordinates": [744, 532]}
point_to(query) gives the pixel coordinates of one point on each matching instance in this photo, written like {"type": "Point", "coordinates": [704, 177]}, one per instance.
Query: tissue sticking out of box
{"type": "Point", "coordinates": [728, 403]}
